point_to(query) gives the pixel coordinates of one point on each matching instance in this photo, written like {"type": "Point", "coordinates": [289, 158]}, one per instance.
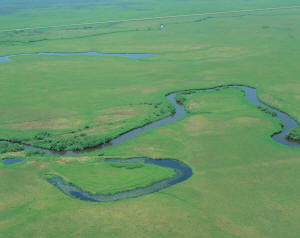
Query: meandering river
{"type": "Point", "coordinates": [182, 170]}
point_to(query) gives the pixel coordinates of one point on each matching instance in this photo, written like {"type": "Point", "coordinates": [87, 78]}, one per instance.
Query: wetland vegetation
{"type": "Point", "coordinates": [244, 183]}
{"type": "Point", "coordinates": [294, 134]}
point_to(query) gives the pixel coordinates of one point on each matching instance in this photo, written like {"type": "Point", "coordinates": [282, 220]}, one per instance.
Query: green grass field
{"type": "Point", "coordinates": [244, 184]}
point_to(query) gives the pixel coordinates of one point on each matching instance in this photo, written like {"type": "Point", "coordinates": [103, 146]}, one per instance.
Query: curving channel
{"type": "Point", "coordinates": [182, 171]}
{"type": "Point", "coordinates": [288, 122]}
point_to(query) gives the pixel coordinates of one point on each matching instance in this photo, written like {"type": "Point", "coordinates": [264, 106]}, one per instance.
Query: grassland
{"type": "Point", "coordinates": [19, 14]}
{"type": "Point", "coordinates": [243, 185]}
{"type": "Point", "coordinates": [86, 99]}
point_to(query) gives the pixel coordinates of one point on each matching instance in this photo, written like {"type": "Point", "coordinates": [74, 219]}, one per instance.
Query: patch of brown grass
{"type": "Point", "coordinates": [57, 123]}
{"type": "Point", "coordinates": [13, 154]}
{"type": "Point", "coordinates": [237, 229]}
{"type": "Point", "coordinates": [111, 115]}
{"type": "Point", "coordinates": [270, 100]}
{"type": "Point", "coordinates": [66, 159]}
{"type": "Point", "coordinates": [246, 120]}
{"type": "Point", "coordinates": [197, 104]}
{"type": "Point", "coordinates": [198, 124]}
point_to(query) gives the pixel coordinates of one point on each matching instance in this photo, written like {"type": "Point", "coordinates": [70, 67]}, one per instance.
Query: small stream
{"type": "Point", "coordinates": [135, 56]}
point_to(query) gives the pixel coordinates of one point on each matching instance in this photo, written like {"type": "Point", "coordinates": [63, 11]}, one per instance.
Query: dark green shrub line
{"type": "Point", "coordinates": [268, 111]}
{"type": "Point", "coordinates": [294, 134]}
{"type": "Point", "coordinates": [74, 143]}
{"type": "Point", "coordinates": [6, 147]}
{"type": "Point", "coordinates": [42, 135]}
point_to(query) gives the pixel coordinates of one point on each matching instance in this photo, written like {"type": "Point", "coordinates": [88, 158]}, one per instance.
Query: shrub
{"type": "Point", "coordinates": [15, 147]}
{"type": "Point", "coordinates": [58, 144]}
{"type": "Point", "coordinates": [42, 135]}
{"type": "Point", "coordinates": [294, 134]}
{"type": "Point", "coordinates": [8, 147]}
{"type": "Point", "coordinates": [180, 98]}
{"type": "Point", "coordinates": [3, 146]}
{"type": "Point", "coordinates": [76, 143]}
{"type": "Point", "coordinates": [15, 140]}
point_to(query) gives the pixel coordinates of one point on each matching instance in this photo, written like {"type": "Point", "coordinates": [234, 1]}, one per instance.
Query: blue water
{"type": "Point", "coordinates": [10, 161]}
{"type": "Point", "coordinates": [135, 56]}
{"type": "Point", "coordinates": [5, 59]}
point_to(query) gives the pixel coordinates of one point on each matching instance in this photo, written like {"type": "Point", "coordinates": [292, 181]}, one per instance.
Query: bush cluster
{"type": "Point", "coordinates": [180, 98]}
{"type": "Point", "coordinates": [75, 143]}
{"type": "Point", "coordinates": [294, 134]}
{"type": "Point", "coordinates": [162, 109]}
{"type": "Point", "coordinates": [8, 147]}
{"type": "Point", "coordinates": [42, 135]}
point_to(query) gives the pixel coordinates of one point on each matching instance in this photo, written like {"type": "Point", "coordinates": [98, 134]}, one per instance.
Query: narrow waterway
{"type": "Point", "coordinates": [182, 172]}
{"type": "Point", "coordinates": [135, 56]}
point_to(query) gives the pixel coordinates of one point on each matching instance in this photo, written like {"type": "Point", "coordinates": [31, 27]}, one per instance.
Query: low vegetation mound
{"type": "Point", "coordinates": [294, 134]}
{"type": "Point", "coordinates": [6, 147]}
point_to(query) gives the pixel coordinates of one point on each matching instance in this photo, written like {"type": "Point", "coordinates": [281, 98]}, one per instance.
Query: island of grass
{"type": "Point", "coordinates": [99, 176]}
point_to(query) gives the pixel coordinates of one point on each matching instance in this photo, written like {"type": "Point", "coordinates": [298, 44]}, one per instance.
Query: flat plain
{"type": "Point", "coordinates": [244, 184]}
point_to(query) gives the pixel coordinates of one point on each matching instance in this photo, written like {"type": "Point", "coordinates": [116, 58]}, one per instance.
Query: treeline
{"type": "Point", "coordinates": [77, 142]}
